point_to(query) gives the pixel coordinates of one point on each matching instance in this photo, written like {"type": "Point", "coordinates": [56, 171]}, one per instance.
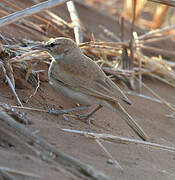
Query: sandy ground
{"type": "Point", "coordinates": [139, 162]}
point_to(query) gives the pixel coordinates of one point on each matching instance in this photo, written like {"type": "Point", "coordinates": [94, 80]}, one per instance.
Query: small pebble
{"type": "Point", "coordinates": [110, 161]}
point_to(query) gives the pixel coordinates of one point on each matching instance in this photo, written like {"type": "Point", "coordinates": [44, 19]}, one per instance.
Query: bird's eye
{"type": "Point", "coordinates": [52, 44]}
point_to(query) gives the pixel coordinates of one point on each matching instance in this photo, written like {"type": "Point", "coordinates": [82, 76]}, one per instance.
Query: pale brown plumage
{"type": "Point", "coordinates": [82, 80]}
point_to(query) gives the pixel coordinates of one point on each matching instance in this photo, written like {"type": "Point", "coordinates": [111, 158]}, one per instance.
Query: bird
{"type": "Point", "coordinates": [83, 81]}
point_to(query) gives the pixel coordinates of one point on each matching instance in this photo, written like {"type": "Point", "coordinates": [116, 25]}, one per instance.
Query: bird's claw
{"type": "Point", "coordinates": [66, 118]}
{"type": "Point", "coordinates": [86, 116]}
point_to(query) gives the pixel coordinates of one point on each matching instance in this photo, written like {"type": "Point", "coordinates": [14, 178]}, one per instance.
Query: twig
{"type": "Point", "coordinates": [101, 47]}
{"type": "Point", "coordinates": [6, 176]}
{"type": "Point", "coordinates": [114, 44]}
{"type": "Point", "coordinates": [171, 115]}
{"type": "Point", "coordinates": [155, 39]}
{"type": "Point", "coordinates": [121, 21]}
{"type": "Point", "coordinates": [150, 33]}
{"type": "Point", "coordinates": [29, 70]}
{"type": "Point", "coordinates": [29, 11]}
{"type": "Point", "coordinates": [132, 30]}
{"type": "Point", "coordinates": [158, 50]}
{"type": "Point", "coordinates": [161, 66]}
{"type": "Point", "coordinates": [157, 96]}
{"type": "Point", "coordinates": [140, 62]}
{"type": "Point", "coordinates": [108, 154]}
{"type": "Point", "coordinates": [36, 89]}
{"type": "Point", "coordinates": [52, 111]}
{"type": "Point", "coordinates": [166, 2]}
{"type": "Point", "coordinates": [109, 33]}
{"type": "Point", "coordinates": [38, 18]}
{"type": "Point", "coordinates": [28, 56]}
{"type": "Point", "coordinates": [17, 115]}
{"type": "Point", "coordinates": [33, 26]}
{"type": "Point", "coordinates": [146, 97]}
{"type": "Point", "coordinates": [64, 159]}
{"type": "Point", "coordinates": [76, 22]}
{"type": "Point", "coordinates": [162, 79]}
{"type": "Point", "coordinates": [11, 85]}
{"type": "Point", "coordinates": [56, 19]}
{"type": "Point", "coordinates": [125, 57]}
{"type": "Point", "coordinates": [14, 171]}
{"type": "Point", "coordinates": [131, 44]}
{"type": "Point", "coordinates": [110, 137]}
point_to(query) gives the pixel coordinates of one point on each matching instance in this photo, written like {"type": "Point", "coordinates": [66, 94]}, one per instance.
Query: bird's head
{"type": "Point", "coordinates": [57, 47]}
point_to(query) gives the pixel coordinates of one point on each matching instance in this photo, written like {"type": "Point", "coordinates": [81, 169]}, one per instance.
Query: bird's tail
{"type": "Point", "coordinates": [119, 109]}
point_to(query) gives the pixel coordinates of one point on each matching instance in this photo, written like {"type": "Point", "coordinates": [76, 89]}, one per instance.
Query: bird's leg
{"type": "Point", "coordinates": [89, 114]}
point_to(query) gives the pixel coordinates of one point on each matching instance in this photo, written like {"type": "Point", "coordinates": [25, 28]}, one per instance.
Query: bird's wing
{"type": "Point", "coordinates": [86, 76]}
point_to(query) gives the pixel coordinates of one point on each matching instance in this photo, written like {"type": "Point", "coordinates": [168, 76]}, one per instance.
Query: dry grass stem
{"type": "Point", "coordinates": [166, 2]}
{"type": "Point", "coordinates": [161, 67]}
{"type": "Point", "coordinates": [158, 50]}
{"type": "Point", "coordinates": [11, 85]}
{"type": "Point", "coordinates": [30, 108]}
{"type": "Point", "coordinates": [162, 79]}
{"type": "Point", "coordinates": [109, 33]}
{"type": "Point", "coordinates": [171, 115]}
{"type": "Point", "coordinates": [108, 154]}
{"type": "Point", "coordinates": [112, 138]}
{"type": "Point", "coordinates": [156, 39]}
{"type": "Point", "coordinates": [76, 22]}
{"type": "Point", "coordinates": [158, 97]}
{"type": "Point", "coordinates": [18, 172]}
{"type": "Point", "coordinates": [52, 111]}
{"type": "Point", "coordinates": [110, 44]}
{"type": "Point", "coordinates": [136, 40]}
{"type": "Point", "coordinates": [36, 89]}
{"type": "Point", "coordinates": [28, 56]}
{"type": "Point", "coordinates": [29, 11]}
{"type": "Point", "coordinates": [146, 97]}
{"type": "Point", "coordinates": [157, 31]}
{"type": "Point", "coordinates": [132, 42]}
{"type": "Point", "coordinates": [6, 176]}
{"type": "Point", "coordinates": [58, 20]}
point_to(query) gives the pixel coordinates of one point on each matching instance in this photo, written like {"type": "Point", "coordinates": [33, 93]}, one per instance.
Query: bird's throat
{"type": "Point", "coordinates": [58, 57]}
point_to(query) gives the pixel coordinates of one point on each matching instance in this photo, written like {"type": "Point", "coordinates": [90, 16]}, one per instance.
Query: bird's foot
{"type": "Point", "coordinates": [86, 116]}
{"type": "Point", "coordinates": [66, 118]}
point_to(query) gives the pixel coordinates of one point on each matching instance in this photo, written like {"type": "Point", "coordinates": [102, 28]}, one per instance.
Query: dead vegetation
{"type": "Point", "coordinates": [128, 61]}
